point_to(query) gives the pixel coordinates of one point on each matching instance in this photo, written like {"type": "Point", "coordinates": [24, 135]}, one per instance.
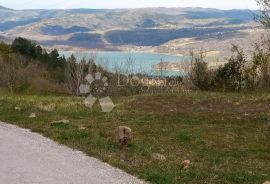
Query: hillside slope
{"type": "Point", "coordinates": [148, 29]}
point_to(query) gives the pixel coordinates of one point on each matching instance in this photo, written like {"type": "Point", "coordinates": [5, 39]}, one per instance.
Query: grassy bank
{"type": "Point", "coordinates": [225, 136]}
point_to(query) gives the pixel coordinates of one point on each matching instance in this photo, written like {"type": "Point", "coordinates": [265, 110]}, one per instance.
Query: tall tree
{"type": "Point", "coordinates": [264, 16]}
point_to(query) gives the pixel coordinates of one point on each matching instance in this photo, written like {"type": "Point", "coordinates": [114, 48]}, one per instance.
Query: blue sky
{"type": "Point", "coordinates": [66, 4]}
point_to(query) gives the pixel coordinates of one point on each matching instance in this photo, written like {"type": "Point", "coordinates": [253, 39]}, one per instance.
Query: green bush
{"type": "Point", "coordinates": [240, 73]}
{"type": "Point", "coordinates": [201, 75]}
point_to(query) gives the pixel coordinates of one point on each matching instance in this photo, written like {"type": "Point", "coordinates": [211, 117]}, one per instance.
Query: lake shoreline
{"type": "Point", "coordinates": [130, 62]}
{"type": "Point", "coordinates": [123, 51]}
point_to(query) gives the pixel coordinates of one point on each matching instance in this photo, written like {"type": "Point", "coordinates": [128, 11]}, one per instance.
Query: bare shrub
{"type": "Point", "coordinates": [264, 16]}
{"type": "Point", "coordinates": [11, 68]}
{"type": "Point", "coordinates": [260, 69]}
{"type": "Point", "coordinates": [75, 74]}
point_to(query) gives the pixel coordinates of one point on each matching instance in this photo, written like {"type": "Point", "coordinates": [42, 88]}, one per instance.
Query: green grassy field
{"type": "Point", "coordinates": [224, 135]}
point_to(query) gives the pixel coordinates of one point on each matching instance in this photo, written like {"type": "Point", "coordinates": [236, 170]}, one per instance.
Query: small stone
{"type": "Point", "coordinates": [123, 135]}
{"type": "Point", "coordinates": [82, 128]}
{"type": "Point", "coordinates": [267, 126]}
{"type": "Point", "coordinates": [186, 164]}
{"type": "Point", "coordinates": [266, 182]}
{"type": "Point", "coordinates": [246, 114]}
{"type": "Point", "coordinates": [63, 121]}
{"type": "Point", "coordinates": [32, 115]}
{"type": "Point", "coordinates": [177, 178]}
{"type": "Point", "coordinates": [18, 108]}
{"type": "Point", "coordinates": [158, 156]}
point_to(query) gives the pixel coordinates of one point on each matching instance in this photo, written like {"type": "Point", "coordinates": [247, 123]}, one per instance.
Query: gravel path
{"type": "Point", "coordinates": [29, 158]}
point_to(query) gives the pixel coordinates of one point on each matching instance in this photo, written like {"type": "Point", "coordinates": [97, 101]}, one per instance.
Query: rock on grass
{"type": "Point", "coordinates": [186, 164]}
{"type": "Point", "coordinates": [32, 115]}
{"type": "Point", "coordinates": [158, 156]}
{"type": "Point", "coordinates": [63, 121]}
{"type": "Point", "coordinates": [123, 135]}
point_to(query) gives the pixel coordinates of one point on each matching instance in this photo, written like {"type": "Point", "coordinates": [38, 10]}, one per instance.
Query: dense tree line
{"type": "Point", "coordinates": [26, 65]}
{"type": "Point", "coordinates": [33, 51]}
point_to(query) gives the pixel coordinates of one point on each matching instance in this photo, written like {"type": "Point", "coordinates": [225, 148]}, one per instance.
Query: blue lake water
{"type": "Point", "coordinates": [130, 62]}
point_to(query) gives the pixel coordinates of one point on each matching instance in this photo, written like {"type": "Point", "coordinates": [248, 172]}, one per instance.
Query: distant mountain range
{"type": "Point", "coordinates": [122, 29]}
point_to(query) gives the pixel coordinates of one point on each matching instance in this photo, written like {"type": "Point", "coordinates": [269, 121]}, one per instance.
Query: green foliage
{"type": "Point", "coordinates": [33, 51]}
{"type": "Point", "coordinates": [25, 47]}
{"type": "Point", "coordinates": [200, 74]}
{"type": "Point", "coordinates": [232, 75]}
{"type": "Point", "coordinates": [184, 136]}
{"type": "Point", "coordinates": [5, 50]}
{"type": "Point", "coordinates": [27, 66]}
{"type": "Point", "coordinates": [55, 60]}
{"type": "Point", "coordinates": [240, 73]}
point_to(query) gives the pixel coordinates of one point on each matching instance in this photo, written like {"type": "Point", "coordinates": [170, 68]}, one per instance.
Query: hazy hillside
{"type": "Point", "coordinates": [152, 29]}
